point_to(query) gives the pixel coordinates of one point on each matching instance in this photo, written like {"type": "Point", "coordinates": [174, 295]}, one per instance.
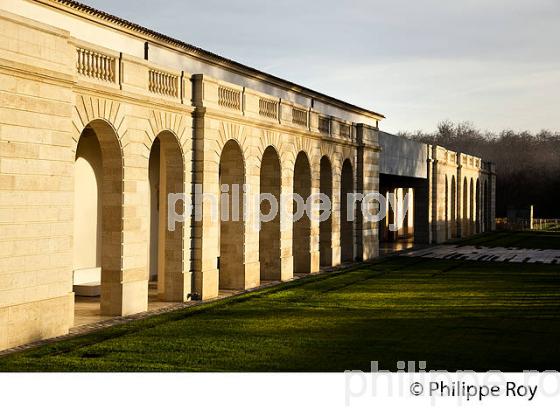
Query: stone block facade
{"type": "Point", "coordinates": [94, 136]}
{"type": "Point", "coordinates": [464, 195]}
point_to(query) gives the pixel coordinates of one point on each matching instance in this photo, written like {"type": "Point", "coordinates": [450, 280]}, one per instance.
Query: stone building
{"type": "Point", "coordinates": [101, 119]}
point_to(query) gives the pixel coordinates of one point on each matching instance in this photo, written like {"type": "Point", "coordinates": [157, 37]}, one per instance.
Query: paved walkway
{"type": "Point", "coordinates": [87, 310]}
{"type": "Point", "coordinates": [89, 319]}
{"type": "Point", "coordinates": [481, 253]}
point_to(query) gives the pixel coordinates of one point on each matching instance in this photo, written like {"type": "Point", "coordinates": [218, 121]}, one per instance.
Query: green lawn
{"type": "Point", "coordinates": [452, 314]}
{"type": "Point", "coordinates": [525, 239]}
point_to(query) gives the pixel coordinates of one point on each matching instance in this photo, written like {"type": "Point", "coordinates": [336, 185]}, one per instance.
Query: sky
{"type": "Point", "coordinates": [494, 63]}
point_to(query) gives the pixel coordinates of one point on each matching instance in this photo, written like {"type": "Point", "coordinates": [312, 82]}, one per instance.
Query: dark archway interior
{"type": "Point", "coordinates": [346, 222]}
{"type": "Point", "coordinates": [269, 236]}
{"type": "Point", "coordinates": [232, 226]}
{"type": "Point", "coordinates": [301, 240]}
{"type": "Point", "coordinates": [325, 227]}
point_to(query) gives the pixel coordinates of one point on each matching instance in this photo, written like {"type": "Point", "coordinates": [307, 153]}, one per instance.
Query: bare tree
{"type": "Point", "coordinates": [528, 165]}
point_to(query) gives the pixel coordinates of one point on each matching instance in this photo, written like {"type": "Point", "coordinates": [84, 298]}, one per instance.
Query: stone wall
{"type": "Point", "coordinates": [58, 90]}
{"type": "Point", "coordinates": [36, 181]}
{"type": "Point", "coordinates": [461, 207]}
{"type": "Point", "coordinates": [158, 129]}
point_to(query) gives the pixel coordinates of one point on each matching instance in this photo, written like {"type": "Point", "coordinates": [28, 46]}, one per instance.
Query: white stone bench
{"type": "Point", "coordinates": [87, 282]}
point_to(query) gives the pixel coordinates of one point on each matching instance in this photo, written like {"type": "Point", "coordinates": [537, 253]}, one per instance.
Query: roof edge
{"type": "Point", "coordinates": [199, 53]}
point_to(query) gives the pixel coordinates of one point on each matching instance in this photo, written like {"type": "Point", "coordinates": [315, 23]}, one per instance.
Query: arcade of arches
{"type": "Point", "coordinates": [95, 143]}
{"type": "Point", "coordinates": [456, 200]}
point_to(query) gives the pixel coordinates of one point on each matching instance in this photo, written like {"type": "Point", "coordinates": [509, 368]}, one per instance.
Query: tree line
{"type": "Point", "coordinates": [527, 164]}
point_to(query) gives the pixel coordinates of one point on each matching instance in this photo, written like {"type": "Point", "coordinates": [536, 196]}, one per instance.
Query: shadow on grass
{"type": "Point", "coordinates": [453, 315]}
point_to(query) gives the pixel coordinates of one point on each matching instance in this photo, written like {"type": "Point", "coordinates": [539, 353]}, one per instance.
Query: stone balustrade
{"type": "Point", "coordinates": [148, 129]}
{"type": "Point", "coordinates": [345, 130]}
{"type": "Point", "coordinates": [470, 161]}
{"type": "Point", "coordinates": [95, 65]}
{"type": "Point", "coordinates": [139, 76]}
{"type": "Point", "coordinates": [324, 125]}
{"type": "Point", "coordinates": [229, 98]}
{"type": "Point", "coordinates": [268, 108]}
{"type": "Point", "coordinates": [299, 117]}
{"type": "Point", "coordinates": [163, 83]}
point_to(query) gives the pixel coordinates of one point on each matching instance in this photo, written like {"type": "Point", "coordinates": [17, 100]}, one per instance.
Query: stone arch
{"type": "Point", "coordinates": [89, 109]}
{"type": "Point", "coordinates": [98, 215]}
{"type": "Point", "coordinates": [166, 175]}
{"type": "Point", "coordinates": [326, 224]}
{"type": "Point", "coordinates": [174, 123]}
{"type": "Point", "coordinates": [346, 223]}
{"type": "Point", "coordinates": [301, 236]}
{"type": "Point", "coordinates": [329, 150]}
{"type": "Point", "coordinates": [269, 235]}
{"type": "Point", "coordinates": [237, 133]}
{"type": "Point", "coordinates": [272, 139]}
{"type": "Point", "coordinates": [346, 158]}
{"type": "Point", "coordinates": [232, 227]}
{"type": "Point", "coordinates": [303, 144]}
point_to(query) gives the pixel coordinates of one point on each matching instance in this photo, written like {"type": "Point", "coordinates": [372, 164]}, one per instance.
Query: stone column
{"type": "Point", "coordinates": [473, 211]}
{"type": "Point", "coordinates": [492, 193]}
{"type": "Point", "coordinates": [392, 214]}
{"type": "Point", "coordinates": [336, 181]}
{"type": "Point", "coordinates": [436, 187]}
{"type": "Point", "coordinates": [358, 217]}
{"type": "Point", "coordinates": [126, 292]}
{"type": "Point", "coordinates": [252, 214]}
{"type": "Point", "coordinates": [482, 204]}
{"type": "Point", "coordinates": [459, 201]}
{"type": "Point", "coordinates": [367, 182]}
{"type": "Point", "coordinates": [205, 230]}
{"type": "Point", "coordinates": [315, 260]}
{"type": "Point", "coordinates": [286, 223]}
{"type": "Point", "coordinates": [399, 212]}
{"type": "Point", "coordinates": [174, 245]}
{"type": "Point", "coordinates": [125, 222]}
